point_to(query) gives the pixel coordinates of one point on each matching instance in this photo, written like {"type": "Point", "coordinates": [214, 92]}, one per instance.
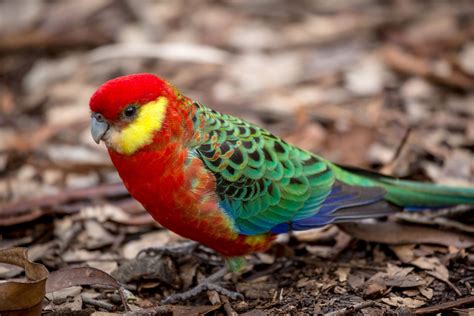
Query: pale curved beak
{"type": "Point", "coordinates": [99, 127]}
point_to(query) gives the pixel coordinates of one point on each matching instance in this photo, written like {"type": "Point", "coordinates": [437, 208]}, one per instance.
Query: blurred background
{"type": "Point", "coordinates": [387, 85]}
{"type": "Point", "coordinates": [344, 79]}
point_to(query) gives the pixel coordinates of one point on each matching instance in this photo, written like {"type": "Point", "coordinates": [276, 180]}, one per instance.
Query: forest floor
{"type": "Point", "coordinates": [387, 86]}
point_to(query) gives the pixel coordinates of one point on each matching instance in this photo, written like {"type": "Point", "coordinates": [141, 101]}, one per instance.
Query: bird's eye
{"type": "Point", "coordinates": [99, 117]}
{"type": "Point", "coordinates": [130, 111]}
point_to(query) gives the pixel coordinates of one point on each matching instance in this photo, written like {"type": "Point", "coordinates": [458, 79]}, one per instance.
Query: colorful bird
{"type": "Point", "coordinates": [231, 185]}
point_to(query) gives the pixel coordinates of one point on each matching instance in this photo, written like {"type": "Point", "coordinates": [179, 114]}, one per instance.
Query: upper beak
{"type": "Point", "coordinates": [98, 127]}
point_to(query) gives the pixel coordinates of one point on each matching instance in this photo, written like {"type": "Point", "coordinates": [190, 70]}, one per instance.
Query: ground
{"type": "Point", "coordinates": [387, 86]}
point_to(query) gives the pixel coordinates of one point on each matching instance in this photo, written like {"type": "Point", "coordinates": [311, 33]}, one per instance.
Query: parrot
{"type": "Point", "coordinates": [231, 185]}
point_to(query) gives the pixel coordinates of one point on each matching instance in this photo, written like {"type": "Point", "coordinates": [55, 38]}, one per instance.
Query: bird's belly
{"type": "Point", "coordinates": [211, 231]}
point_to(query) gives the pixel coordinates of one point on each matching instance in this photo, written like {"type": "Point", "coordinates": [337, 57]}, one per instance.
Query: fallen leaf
{"type": "Point", "coordinates": [466, 58]}
{"type": "Point", "coordinates": [398, 301]}
{"type": "Point", "coordinates": [159, 268]}
{"type": "Point", "coordinates": [426, 292]}
{"type": "Point", "coordinates": [324, 233]}
{"type": "Point", "coordinates": [104, 263]}
{"type": "Point", "coordinates": [432, 264]}
{"type": "Point", "coordinates": [355, 280]}
{"type": "Point", "coordinates": [97, 235]}
{"type": "Point", "coordinates": [397, 277]}
{"type": "Point", "coordinates": [398, 234]}
{"type": "Point", "coordinates": [374, 289]}
{"type": "Point", "coordinates": [257, 290]}
{"type": "Point", "coordinates": [404, 252]}
{"type": "Point", "coordinates": [177, 310]}
{"type": "Point", "coordinates": [155, 239]}
{"type": "Point", "coordinates": [31, 290]}
{"type": "Point", "coordinates": [367, 77]}
{"type": "Point", "coordinates": [342, 273]}
{"type": "Point", "coordinates": [69, 277]}
{"type": "Point", "coordinates": [65, 299]}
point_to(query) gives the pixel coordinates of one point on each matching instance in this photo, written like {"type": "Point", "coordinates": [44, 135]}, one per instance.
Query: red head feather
{"type": "Point", "coordinates": [114, 95]}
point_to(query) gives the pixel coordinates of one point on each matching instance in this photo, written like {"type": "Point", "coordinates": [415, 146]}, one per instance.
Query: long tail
{"type": "Point", "coordinates": [408, 194]}
{"type": "Point", "coordinates": [359, 194]}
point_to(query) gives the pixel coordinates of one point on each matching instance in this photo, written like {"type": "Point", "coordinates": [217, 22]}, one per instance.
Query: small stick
{"type": "Point", "coordinates": [214, 297]}
{"type": "Point", "coordinates": [227, 307]}
{"type": "Point", "coordinates": [451, 285]}
{"type": "Point", "coordinates": [388, 168]}
{"type": "Point", "coordinates": [100, 304]}
{"type": "Point", "coordinates": [445, 306]}
{"type": "Point", "coordinates": [103, 190]}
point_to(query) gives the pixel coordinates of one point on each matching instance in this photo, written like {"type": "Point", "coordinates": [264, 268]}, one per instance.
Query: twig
{"type": "Point", "coordinates": [24, 211]}
{"type": "Point", "coordinates": [445, 306]}
{"type": "Point", "coordinates": [259, 274]}
{"type": "Point", "coordinates": [408, 63]}
{"type": "Point", "coordinates": [69, 237]}
{"type": "Point", "coordinates": [438, 217]}
{"type": "Point", "coordinates": [351, 310]}
{"type": "Point", "coordinates": [168, 51]}
{"type": "Point", "coordinates": [340, 264]}
{"type": "Point", "coordinates": [390, 166]}
{"type": "Point", "coordinates": [441, 221]}
{"type": "Point", "coordinates": [104, 190]}
{"type": "Point", "coordinates": [123, 297]}
{"type": "Point", "coordinates": [214, 297]}
{"type": "Point", "coordinates": [198, 290]}
{"type": "Point", "coordinates": [100, 304]}
{"type": "Point", "coordinates": [227, 307]}
{"type": "Point", "coordinates": [397, 234]}
{"type": "Point", "coordinates": [442, 279]}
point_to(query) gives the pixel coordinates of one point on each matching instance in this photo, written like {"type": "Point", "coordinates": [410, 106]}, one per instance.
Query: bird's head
{"type": "Point", "coordinates": [128, 112]}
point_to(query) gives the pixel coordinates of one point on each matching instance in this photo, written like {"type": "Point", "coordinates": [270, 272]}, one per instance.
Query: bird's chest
{"type": "Point", "coordinates": [177, 191]}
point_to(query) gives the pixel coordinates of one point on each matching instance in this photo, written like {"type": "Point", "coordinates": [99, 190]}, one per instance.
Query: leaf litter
{"type": "Point", "coordinates": [382, 85]}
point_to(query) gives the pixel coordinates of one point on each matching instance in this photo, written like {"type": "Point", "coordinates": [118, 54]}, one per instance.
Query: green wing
{"type": "Point", "coordinates": [261, 180]}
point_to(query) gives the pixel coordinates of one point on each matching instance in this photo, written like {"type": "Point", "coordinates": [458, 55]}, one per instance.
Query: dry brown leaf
{"type": "Point", "coordinates": [411, 292]}
{"type": "Point", "coordinates": [155, 239]}
{"type": "Point", "coordinates": [160, 268]}
{"type": "Point", "coordinates": [342, 273]}
{"type": "Point", "coordinates": [397, 277]}
{"type": "Point", "coordinates": [375, 289]}
{"type": "Point", "coordinates": [398, 234]}
{"type": "Point", "coordinates": [65, 299]}
{"type": "Point", "coordinates": [404, 252]}
{"type": "Point", "coordinates": [426, 292]}
{"type": "Point", "coordinates": [31, 290]}
{"type": "Point", "coordinates": [177, 310]}
{"type": "Point", "coordinates": [408, 63]}
{"type": "Point", "coordinates": [464, 311]}
{"type": "Point", "coordinates": [257, 289]}
{"type": "Point", "coordinates": [324, 233]}
{"type": "Point", "coordinates": [355, 280]}
{"type": "Point", "coordinates": [398, 301]}
{"type": "Point", "coordinates": [68, 277]}
{"type": "Point", "coordinates": [432, 264]}
{"type": "Point", "coordinates": [397, 272]}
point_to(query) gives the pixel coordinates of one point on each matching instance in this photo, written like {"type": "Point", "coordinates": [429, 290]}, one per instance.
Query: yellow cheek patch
{"type": "Point", "coordinates": [140, 132]}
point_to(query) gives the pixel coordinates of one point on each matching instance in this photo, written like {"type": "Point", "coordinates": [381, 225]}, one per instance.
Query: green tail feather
{"type": "Point", "coordinates": [407, 193]}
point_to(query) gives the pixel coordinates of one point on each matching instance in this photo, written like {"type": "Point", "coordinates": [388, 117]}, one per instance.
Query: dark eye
{"type": "Point", "coordinates": [130, 111]}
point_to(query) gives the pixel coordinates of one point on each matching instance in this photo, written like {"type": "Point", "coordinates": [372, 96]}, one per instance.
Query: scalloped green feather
{"type": "Point", "coordinates": [260, 179]}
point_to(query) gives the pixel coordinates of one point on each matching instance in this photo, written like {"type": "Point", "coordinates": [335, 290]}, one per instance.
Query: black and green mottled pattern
{"type": "Point", "coordinates": [261, 180]}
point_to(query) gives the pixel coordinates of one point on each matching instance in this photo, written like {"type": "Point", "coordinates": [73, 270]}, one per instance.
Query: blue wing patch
{"type": "Point", "coordinates": [344, 203]}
